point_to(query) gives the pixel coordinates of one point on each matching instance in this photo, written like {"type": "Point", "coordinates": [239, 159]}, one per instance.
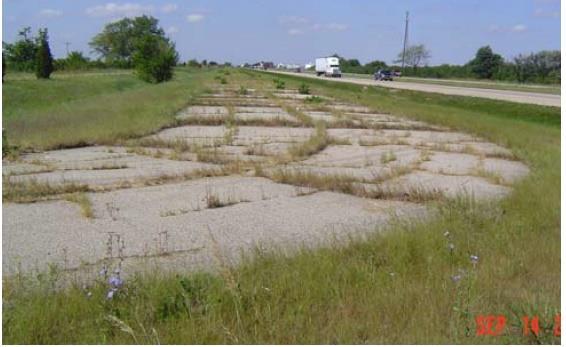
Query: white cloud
{"type": "Point", "coordinates": [293, 20]}
{"type": "Point", "coordinates": [50, 13]}
{"type": "Point", "coordinates": [519, 28]}
{"type": "Point", "coordinates": [172, 30]}
{"type": "Point", "coordinates": [294, 32]}
{"type": "Point", "coordinates": [118, 10]}
{"type": "Point", "coordinates": [195, 17]}
{"type": "Point", "coordinates": [168, 8]}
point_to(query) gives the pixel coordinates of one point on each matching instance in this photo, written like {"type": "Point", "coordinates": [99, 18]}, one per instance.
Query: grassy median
{"type": "Point", "coordinates": [87, 108]}
{"type": "Point", "coordinates": [417, 283]}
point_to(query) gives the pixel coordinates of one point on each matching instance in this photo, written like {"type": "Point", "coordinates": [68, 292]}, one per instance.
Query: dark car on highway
{"type": "Point", "coordinates": [383, 75]}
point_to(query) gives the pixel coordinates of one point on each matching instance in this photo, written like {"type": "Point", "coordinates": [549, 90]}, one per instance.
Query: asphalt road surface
{"type": "Point", "coordinates": [497, 94]}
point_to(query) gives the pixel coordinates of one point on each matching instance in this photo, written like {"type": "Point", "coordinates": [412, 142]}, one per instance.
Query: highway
{"type": "Point", "coordinates": [496, 94]}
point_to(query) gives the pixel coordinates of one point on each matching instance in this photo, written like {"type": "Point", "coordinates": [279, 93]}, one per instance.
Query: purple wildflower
{"type": "Point", "coordinates": [115, 281]}
{"type": "Point", "coordinates": [110, 294]}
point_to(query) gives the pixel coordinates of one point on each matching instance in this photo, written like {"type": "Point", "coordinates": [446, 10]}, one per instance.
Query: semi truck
{"type": "Point", "coordinates": [328, 66]}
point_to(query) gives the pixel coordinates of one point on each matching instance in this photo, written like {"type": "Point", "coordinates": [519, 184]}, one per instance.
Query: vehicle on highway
{"type": "Point", "coordinates": [328, 66]}
{"type": "Point", "coordinates": [383, 75]}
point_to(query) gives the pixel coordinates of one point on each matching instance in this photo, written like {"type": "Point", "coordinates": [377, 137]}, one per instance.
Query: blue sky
{"type": "Point", "coordinates": [294, 31]}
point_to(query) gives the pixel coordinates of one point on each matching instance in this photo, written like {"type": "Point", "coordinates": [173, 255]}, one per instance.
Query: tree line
{"type": "Point", "coordinates": [539, 67]}
{"type": "Point", "coordinates": [137, 43]}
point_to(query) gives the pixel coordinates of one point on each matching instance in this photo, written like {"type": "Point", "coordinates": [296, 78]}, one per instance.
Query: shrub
{"type": "Point", "coordinates": [194, 63]}
{"type": "Point", "coordinates": [76, 61]}
{"type": "Point", "coordinates": [21, 54]}
{"type": "Point", "coordinates": [243, 90]}
{"type": "Point", "coordinates": [154, 58]}
{"type": "Point", "coordinates": [43, 58]}
{"type": "Point", "coordinates": [314, 100]}
{"type": "Point", "coordinates": [8, 151]}
{"type": "Point", "coordinates": [279, 84]}
{"type": "Point", "coordinates": [304, 89]}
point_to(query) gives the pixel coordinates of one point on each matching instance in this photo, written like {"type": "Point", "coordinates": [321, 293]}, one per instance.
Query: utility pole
{"type": "Point", "coordinates": [67, 47]}
{"type": "Point", "coordinates": [405, 40]}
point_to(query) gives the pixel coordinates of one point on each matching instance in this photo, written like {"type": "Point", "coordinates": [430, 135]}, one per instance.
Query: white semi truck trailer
{"type": "Point", "coordinates": [328, 66]}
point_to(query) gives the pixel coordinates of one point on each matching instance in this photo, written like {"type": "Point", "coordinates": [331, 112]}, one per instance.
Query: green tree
{"type": "Point", "coordinates": [193, 63]}
{"type": "Point", "coordinates": [117, 41]}
{"type": "Point", "coordinates": [374, 66]}
{"type": "Point", "coordinates": [541, 67]}
{"type": "Point", "coordinates": [76, 61]}
{"type": "Point", "coordinates": [486, 63]}
{"type": "Point", "coordinates": [3, 66]}
{"type": "Point", "coordinates": [20, 55]}
{"type": "Point", "coordinates": [154, 58]}
{"type": "Point", "coordinates": [415, 56]}
{"type": "Point", "coordinates": [43, 58]}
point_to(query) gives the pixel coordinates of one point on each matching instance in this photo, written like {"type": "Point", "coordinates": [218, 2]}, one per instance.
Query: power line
{"type": "Point", "coordinates": [405, 40]}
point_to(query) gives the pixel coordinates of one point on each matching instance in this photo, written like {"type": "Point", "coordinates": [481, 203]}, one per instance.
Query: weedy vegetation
{"type": "Point", "coordinates": [316, 143]}
{"type": "Point", "coordinates": [279, 84]}
{"type": "Point", "coordinates": [420, 281]}
{"type": "Point", "coordinates": [304, 89]}
{"type": "Point", "coordinates": [83, 201]}
{"type": "Point", "coordinates": [86, 109]}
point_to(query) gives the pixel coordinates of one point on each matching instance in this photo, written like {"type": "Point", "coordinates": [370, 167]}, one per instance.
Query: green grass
{"type": "Point", "coordinates": [93, 109]}
{"type": "Point", "coordinates": [394, 287]}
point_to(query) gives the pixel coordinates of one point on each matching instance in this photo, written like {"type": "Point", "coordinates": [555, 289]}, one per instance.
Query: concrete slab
{"type": "Point", "coordinates": [509, 171]}
{"type": "Point", "coordinates": [373, 116]}
{"type": "Point", "coordinates": [361, 174]}
{"type": "Point", "coordinates": [203, 112]}
{"type": "Point", "coordinates": [350, 108]}
{"type": "Point", "coordinates": [21, 168]}
{"type": "Point", "coordinates": [452, 163]}
{"type": "Point", "coordinates": [270, 149]}
{"type": "Point", "coordinates": [205, 135]}
{"type": "Point", "coordinates": [321, 115]}
{"type": "Point", "coordinates": [96, 167]}
{"type": "Point", "coordinates": [162, 221]}
{"type": "Point", "coordinates": [485, 148]}
{"type": "Point", "coordinates": [248, 135]}
{"type": "Point", "coordinates": [237, 102]}
{"type": "Point", "coordinates": [364, 156]}
{"type": "Point", "coordinates": [297, 96]}
{"type": "Point", "coordinates": [451, 186]}
{"type": "Point", "coordinates": [263, 113]}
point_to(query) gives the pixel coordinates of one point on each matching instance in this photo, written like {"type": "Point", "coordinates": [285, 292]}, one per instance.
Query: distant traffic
{"type": "Point", "coordinates": [324, 66]}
